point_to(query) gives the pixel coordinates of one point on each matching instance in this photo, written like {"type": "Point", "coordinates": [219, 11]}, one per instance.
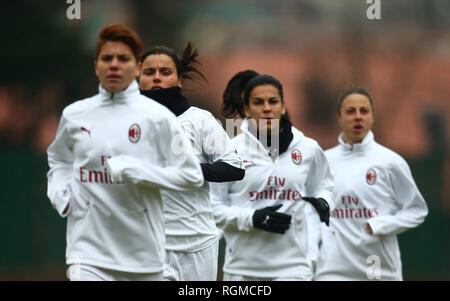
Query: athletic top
{"type": "Point", "coordinates": [112, 154]}
{"type": "Point", "coordinates": [301, 170]}
{"type": "Point", "coordinates": [188, 218]}
{"type": "Point", "coordinates": [372, 184]}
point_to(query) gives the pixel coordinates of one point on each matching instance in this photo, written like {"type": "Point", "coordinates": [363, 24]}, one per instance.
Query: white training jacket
{"type": "Point", "coordinates": [116, 216]}
{"type": "Point", "coordinates": [300, 171]}
{"type": "Point", "coordinates": [372, 184]}
{"type": "Point", "coordinates": [188, 215]}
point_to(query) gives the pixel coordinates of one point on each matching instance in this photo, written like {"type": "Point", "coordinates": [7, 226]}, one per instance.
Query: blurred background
{"type": "Point", "coordinates": [314, 47]}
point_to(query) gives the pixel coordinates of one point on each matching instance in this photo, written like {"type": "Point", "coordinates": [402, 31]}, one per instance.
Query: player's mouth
{"type": "Point", "coordinates": [358, 128]}
{"type": "Point", "coordinates": [114, 77]}
{"type": "Point", "coordinates": [268, 120]}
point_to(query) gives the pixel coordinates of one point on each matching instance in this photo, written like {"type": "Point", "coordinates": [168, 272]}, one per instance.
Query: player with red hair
{"type": "Point", "coordinates": [111, 156]}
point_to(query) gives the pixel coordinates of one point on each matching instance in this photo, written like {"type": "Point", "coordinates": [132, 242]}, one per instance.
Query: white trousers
{"type": "Point", "coordinates": [79, 272]}
{"type": "Point", "coordinates": [194, 266]}
{"type": "Point", "coordinates": [234, 277]}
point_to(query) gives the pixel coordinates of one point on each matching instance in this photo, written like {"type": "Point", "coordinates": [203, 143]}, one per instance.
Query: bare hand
{"type": "Point", "coordinates": [369, 229]}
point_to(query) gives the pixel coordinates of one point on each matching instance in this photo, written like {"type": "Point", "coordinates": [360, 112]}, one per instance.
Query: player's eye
{"type": "Point", "coordinates": [166, 71]}
{"type": "Point", "coordinates": [274, 101]}
{"type": "Point", "coordinates": [149, 71]}
{"type": "Point", "coordinates": [106, 58]}
{"type": "Point", "coordinates": [124, 58]}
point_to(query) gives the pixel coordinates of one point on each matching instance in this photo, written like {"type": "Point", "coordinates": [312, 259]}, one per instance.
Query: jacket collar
{"type": "Point", "coordinates": [273, 151]}
{"type": "Point", "coordinates": [365, 144]}
{"type": "Point", "coordinates": [121, 96]}
{"type": "Point", "coordinates": [170, 98]}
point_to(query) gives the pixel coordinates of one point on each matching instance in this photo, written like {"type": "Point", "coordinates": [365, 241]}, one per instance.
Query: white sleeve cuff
{"type": "Point", "coordinates": [64, 201]}
{"type": "Point", "coordinates": [245, 221]}
{"type": "Point", "coordinates": [115, 167]}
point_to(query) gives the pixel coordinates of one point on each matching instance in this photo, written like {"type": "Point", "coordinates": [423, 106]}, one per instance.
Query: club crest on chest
{"type": "Point", "coordinates": [296, 156]}
{"type": "Point", "coordinates": [371, 176]}
{"type": "Point", "coordinates": [134, 133]}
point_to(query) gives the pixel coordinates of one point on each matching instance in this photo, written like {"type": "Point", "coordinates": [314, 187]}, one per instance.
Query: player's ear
{"type": "Point", "coordinates": [95, 67]}
{"type": "Point", "coordinates": [138, 69]}
{"type": "Point", "coordinates": [246, 111]}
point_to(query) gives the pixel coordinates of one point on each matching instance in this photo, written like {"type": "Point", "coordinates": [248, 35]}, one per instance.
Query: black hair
{"type": "Point", "coordinates": [186, 65]}
{"type": "Point", "coordinates": [237, 92]}
{"type": "Point", "coordinates": [353, 89]}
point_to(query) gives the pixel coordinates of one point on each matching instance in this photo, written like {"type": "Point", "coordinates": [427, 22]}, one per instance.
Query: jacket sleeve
{"type": "Point", "coordinates": [229, 217]}
{"type": "Point", "coordinates": [179, 171]}
{"type": "Point", "coordinates": [320, 183]}
{"type": "Point", "coordinates": [412, 207]}
{"type": "Point", "coordinates": [60, 160]}
{"type": "Point", "coordinates": [221, 172]}
{"type": "Point", "coordinates": [217, 147]}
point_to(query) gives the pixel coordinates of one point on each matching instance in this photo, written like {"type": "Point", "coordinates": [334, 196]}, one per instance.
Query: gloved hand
{"type": "Point", "coordinates": [321, 207]}
{"type": "Point", "coordinates": [269, 220]}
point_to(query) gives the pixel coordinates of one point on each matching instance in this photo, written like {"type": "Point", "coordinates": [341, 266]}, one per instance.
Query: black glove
{"type": "Point", "coordinates": [321, 207]}
{"type": "Point", "coordinates": [269, 220]}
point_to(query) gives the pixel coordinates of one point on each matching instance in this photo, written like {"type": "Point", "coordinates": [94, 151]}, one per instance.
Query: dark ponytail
{"type": "Point", "coordinates": [237, 92]}
{"type": "Point", "coordinates": [233, 103]}
{"type": "Point", "coordinates": [186, 66]}
{"type": "Point", "coordinates": [189, 60]}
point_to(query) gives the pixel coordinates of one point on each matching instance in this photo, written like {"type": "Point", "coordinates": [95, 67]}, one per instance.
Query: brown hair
{"type": "Point", "coordinates": [353, 89]}
{"type": "Point", "coordinates": [186, 64]}
{"type": "Point", "coordinates": [238, 90]}
{"type": "Point", "coordinates": [119, 33]}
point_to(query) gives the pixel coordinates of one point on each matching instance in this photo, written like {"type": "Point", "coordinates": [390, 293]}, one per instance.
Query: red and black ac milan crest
{"type": "Point", "coordinates": [371, 176]}
{"type": "Point", "coordinates": [134, 133]}
{"type": "Point", "coordinates": [296, 156]}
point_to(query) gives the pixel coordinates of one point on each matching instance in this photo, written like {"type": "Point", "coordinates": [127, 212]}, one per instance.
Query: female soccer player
{"type": "Point", "coordinates": [191, 233]}
{"type": "Point", "coordinates": [266, 222]}
{"type": "Point", "coordinates": [111, 156]}
{"type": "Point", "coordinates": [375, 199]}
